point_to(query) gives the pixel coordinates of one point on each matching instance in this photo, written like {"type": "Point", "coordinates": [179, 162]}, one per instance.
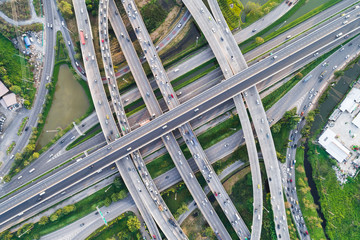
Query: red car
{"type": "Point", "coordinates": [290, 180]}
{"type": "Point", "coordinates": [102, 40]}
{"type": "Point", "coordinates": [172, 96]}
{"type": "Point", "coordinates": [215, 193]}
{"type": "Point", "coordinates": [307, 233]}
{"type": "Point", "coordinates": [154, 236]}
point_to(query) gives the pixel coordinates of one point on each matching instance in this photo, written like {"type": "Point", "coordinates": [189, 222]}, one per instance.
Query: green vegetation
{"type": "Point", "coordinates": [254, 11]}
{"type": "Point", "coordinates": [305, 132]}
{"type": "Point", "coordinates": [119, 229]}
{"type": "Point", "coordinates": [160, 165]}
{"type": "Point", "coordinates": [24, 121]}
{"type": "Point", "coordinates": [276, 95]}
{"type": "Point", "coordinates": [181, 193]}
{"type": "Point", "coordinates": [306, 202]}
{"type": "Point", "coordinates": [66, 9]}
{"type": "Point", "coordinates": [239, 187]}
{"type": "Point", "coordinates": [92, 6]}
{"type": "Point", "coordinates": [339, 73]}
{"type": "Point", "coordinates": [239, 154]}
{"type": "Point", "coordinates": [28, 154]}
{"type": "Point", "coordinates": [340, 204]}
{"type": "Point", "coordinates": [22, 9]}
{"type": "Point", "coordinates": [11, 71]}
{"type": "Point", "coordinates": [72, 213]}
{"type": "Point", "coordinates": [286, 27]}
{"type": "Point", "coordinates": [11, 147]}
{"type": "Point", "coordinates": [232, 9]}
{"type": "Point", "coordinates": [281, 130]}
{"type": "Point", "coordinates": [153, 15]}
{"type": "Point", "coordinates": [38, 8]}
{"type": "Point", "coordinates": [87, 135]}
{"type": "Point", "coordinates": [193, 79]}
{"type": "Point", "coordinates": [213, 135]}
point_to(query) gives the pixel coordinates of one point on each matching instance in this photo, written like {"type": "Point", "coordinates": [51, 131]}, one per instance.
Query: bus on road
{"type": "Point", "coordinates": [82, 38]}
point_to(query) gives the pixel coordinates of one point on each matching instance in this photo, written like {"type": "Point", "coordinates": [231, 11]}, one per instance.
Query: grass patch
{"type": "Point", "coordinates": [87, 135]}
{"type": "Point", "coordinates": [239, 154]}
{"type": "Point", "coordinates": [38, 8]}
{"type": "Point", "coordinates": [340, 204]}
{"type": "Point", "coordinates": [231, 9]}
{"type": "Point", "coordinates": [239, 188]}
{"type": "Point", "coordinates": [254, 11]}
{"type": "Point", "coordinates": [223, 130]}
{"type": "Point", "coordinates": [82, 208]}
{"type": "Point", "coordinates": [175, 196]}
{"type": "Point", "coordinates": [288, 26]}
{"type": "Point", "coordinates": [24, 121]}
{"type": "Point", "coordinates": [307, 206]}
{"type": "Point", "coordinates": [220, 131]}
{"type": "Point", "coordinates": [11, 72]}
{"type": "Point", "coordinates": [11, 147]}
{"type": "Point", "coordinates": [22, 9]}
{"type": "Point", "coordinates": [160, 165]}
{"type": "Point", "coordinates": [117, 229]}
{"type": "Point", "coordinates": [153, 15]}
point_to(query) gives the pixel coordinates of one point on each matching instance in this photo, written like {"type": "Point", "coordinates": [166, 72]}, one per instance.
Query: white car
{"type": "Point", "coordinates": [335, 67]}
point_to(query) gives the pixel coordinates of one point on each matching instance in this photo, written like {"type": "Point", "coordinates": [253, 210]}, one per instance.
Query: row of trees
{"type": "Point", "coordinates": [290, 119]}
{"type": "Point", "coordinates": [115, 197]}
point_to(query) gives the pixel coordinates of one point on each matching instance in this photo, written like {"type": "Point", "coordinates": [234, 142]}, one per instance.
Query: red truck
{"type": "Point", "coordinates": [82, 38]}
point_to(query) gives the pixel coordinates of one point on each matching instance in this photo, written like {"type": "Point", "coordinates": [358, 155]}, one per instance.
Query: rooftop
{"type": "Point", "coordinates": [3, 89]}
{"type": "Point", "coordinates": [9, 100]}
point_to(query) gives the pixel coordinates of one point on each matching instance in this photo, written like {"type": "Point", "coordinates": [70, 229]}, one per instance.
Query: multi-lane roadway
{"type": "Point", "coordinates": [207, 100]}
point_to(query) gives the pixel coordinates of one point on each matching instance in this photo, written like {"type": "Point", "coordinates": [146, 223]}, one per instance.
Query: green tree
{"type": "Point", "coordinates": [6, 235]}
{"type": "Point", "coordinates": [29, 148]}
{"type": "Point", "coordinates": [118, 183]}
{"type": "Point", "coordinates": [114, 197]}
{"type": "Point", "coordinates": [68, 209]}
{"type": "Point", "coordinates": [107, 202]}
{"type": "Point", "coordinates": [122, 194]}
{"type": "Point", "coordinates": [7, 178]}
{"type": "Point", "coordinates": [27, 103]}
{"type": "Point", "coordinates": [259, 40]}
{"type": "Point", "coordinates": [16, 89]}
{"type": "Point", "coordinates": [66, 9]}
{"type": "Point", "coordinates": [339, 73]}
{"type": "Point", "coordinates": [299, 76]}
{"type": "Point", "coordinates": [208, 232]}
{"type": "Point", "coordinates": [133, 223]}
{"type": "Point", "coordinates": [43, 220]}
{"type": "Point", "coordinates": [54, 217]}
{"type": "Point", "coordinates": [35, 155]}
{"type": "Point", "coordinates": [276, 127]}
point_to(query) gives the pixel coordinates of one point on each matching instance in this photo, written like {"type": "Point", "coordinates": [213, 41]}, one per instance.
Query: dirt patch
{"type": "Point", "coordinates": [194, 224]}
{"type": "Point", "coordinates": [22, 9]}
{"type": "Point", "coordinates": [228, 185]}
{"type": "Point", "coordinates": [167, 25]}
{"type": "Point", "coordinates": [185, 40]}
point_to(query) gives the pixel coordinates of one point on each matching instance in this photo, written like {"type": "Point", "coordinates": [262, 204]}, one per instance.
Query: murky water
{"type": "Point", "coordinates": [70, 102]}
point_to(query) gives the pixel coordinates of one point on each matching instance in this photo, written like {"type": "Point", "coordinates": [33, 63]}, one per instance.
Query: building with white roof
{"type": "Point", "coordinates": [335, 148]}
{"type": "Point", "coordinates": [8, 100]}
{"type": "Point", "coordinates": [351, 102]}
{"type": "Point", "coordinates": [3, 89]}
{"type": "Point", "coordinates": [356, 120]}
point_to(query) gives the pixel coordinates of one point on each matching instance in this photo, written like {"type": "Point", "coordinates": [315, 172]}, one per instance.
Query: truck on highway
{"type": "Point", "coordinates": [82, 38]}
{"type": "Point", "coordinates": [321, 76]}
